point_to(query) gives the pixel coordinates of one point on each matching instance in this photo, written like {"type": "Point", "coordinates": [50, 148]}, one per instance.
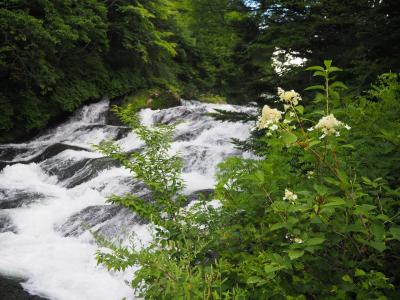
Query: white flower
{"type": "Point", "coordinates": [310, 129]}
{"type": "Point", "coordinates": [310, 174]}
{"type": "Point", "coordinates": [291, 114]}
{"type": "Point", "coordinates": [328, 125]}
{"type": "Point", "coordinates": [298, 240]}
{"type": "Point", "coordinates": [289, 97]}
{"type": "Point", "coordinates": [268, 117]}
{"type": "Point", "coordinates": [273, 127]}
{"type": "Point", "coordinates": [290, 196]}
{"type": "Point", "coordinates": [347, 127]}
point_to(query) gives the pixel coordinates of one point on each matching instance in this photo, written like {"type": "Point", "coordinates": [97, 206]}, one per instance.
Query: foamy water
{"type": "Point", "coordinates": [48, 201]}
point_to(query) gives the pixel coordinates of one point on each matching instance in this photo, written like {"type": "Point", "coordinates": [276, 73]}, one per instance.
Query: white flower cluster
{"type": "Point", "coordinates": [269, 118]}
{"type": "Point", "coordinates": [330, 125]}
{"type": "Point", "coordinates": [289, 97]}
{"type": "Point", "coordinates": [290, 196]}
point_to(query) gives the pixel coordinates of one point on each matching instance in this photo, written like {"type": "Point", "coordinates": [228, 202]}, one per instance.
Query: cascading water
{"type": "Point", "coordinates": [53, 188]}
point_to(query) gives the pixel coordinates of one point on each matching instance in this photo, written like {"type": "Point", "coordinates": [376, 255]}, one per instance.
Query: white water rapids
{"type": "Point", "coordinates": [54, 184]}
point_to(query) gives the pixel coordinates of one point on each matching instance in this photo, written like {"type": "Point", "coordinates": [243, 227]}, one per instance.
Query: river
{"type": "Point", "coordinates": [54, 187]}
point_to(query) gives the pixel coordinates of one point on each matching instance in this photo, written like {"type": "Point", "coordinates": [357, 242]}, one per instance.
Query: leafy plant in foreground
{"type": "Point", "coordinates": [299, 223]}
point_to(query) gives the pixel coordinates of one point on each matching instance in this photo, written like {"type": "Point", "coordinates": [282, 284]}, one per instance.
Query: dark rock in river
{"type": "Point", "coordinates": [6, 224]}
{"type": "Point", "coordinates": [84, 171]}
{"type": "Point", "coordinates": [9, 152]}
{"type": "Point", "coordinates": [112, 221]}
{"type": "Point", "coordinates": [11, 289]}
{"type": "Point", "coordinates": [17, 198]}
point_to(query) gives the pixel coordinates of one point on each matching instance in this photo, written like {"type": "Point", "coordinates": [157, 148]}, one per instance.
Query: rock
{"type": "Point", "coordinates": [53, 150]}
{"type": "Point", "coordinates": [107, 220]}
{"type": "Point", "coordinates": [11, 289]}
{"type": "Point", "coordinates": [17, 198]}
{"type": "Point", "coordinates": [7, 153]}
{"type": "Point", "coordinates": [84, 171]}
{"type": "Point", "coordinates": [50, 151]}
{"type": "Point", "coordinates": [110, 221]}
{"type": "Point", "coordinates": [6, 224]}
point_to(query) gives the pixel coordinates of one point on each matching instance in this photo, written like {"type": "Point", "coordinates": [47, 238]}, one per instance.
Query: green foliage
{"type": "Point", "coordinates": [315, 217]}
{"type": "Point", "coordinates": [54, 56]}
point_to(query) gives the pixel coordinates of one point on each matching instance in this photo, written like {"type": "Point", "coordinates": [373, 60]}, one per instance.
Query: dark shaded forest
{"type": "Point", "coordinates": [56, 55]}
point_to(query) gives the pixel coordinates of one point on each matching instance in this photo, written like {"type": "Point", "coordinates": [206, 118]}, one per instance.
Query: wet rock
{"type": "Point", "coordinates": [63, 169]}
{"type": "Point", "coordinates": [107, 220]}
{"type": "Point", "coordinates": [200, 158]}
{"type": "Point", "coordinates": [84, 171]}
{"type": "Point", "coordinates": [49, 152]}
{"type": "Point", "coordinates": [7, 153]}
{"type": "Point", "coordinates": [6, 224]}
{"type": "Point", "coordinates": [17, 198]}
{"type": "Point", "coordinates": [111, 221]}
{"type": "Point", "coordinates": [11, 289]}
{"type": "Point", "coordinates": [53, 150]}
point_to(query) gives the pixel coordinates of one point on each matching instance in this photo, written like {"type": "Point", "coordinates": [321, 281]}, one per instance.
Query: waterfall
{"type": "Point", "coordinates": [54, 187]}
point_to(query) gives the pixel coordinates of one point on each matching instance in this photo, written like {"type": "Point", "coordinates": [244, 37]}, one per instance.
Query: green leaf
{"type": "Point", "coordinates": [319, 73]}
{"type": "Point", "coordinates": [277, 226]}
{"type": "Point", "coordinates": [335, 202]}
{"type": "Point", "coordinates": [378, 231]}
{"type": "Point", "coordinates": [321, 189]}
{"type": "Point", "coordinates": [253, 279]}
{"type": "Point", "coordinates": [395, 231]}
{"type": "Point", "coordinates": [300, 109]}
{"type": "Point", "coordinates": [380, 246]}
{"type": "Point", "coordinates": [315, 241]}
{"type": "Point", "coordinates": [313, 143]}
{"type": "Point", "coordinates": [315, 68]}
{"type": "Point", "coordinates": [271, 268]}
{"type": "Point", "coordinates": [363, 209]}
{"type": "Point", "coordinates": [338, 85]}
{"type": "Point", "coordinates": [294, 254]}
{"type": "Point", "coordinates": [289, 138]}
{"type": "Point", "coordinates": [359, 273]}
{"type": "Point", "coordinates": [259, 175]}
{"type": "Point", "coordinates": [328, 63]}
{"type": "Point", "coordinates": [347, 278]}
{"type": "Point", "coordinates": [315, 87]}
{"type": "Point", "coordinates": [335, 69]}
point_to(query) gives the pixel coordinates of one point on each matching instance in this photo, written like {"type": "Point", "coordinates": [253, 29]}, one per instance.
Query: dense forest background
{"type": "Point", "coordinates": [56, 55]}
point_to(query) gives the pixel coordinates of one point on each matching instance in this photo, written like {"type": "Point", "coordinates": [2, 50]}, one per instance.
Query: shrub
{"type": "Point", "coordinates": [316, 217]}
